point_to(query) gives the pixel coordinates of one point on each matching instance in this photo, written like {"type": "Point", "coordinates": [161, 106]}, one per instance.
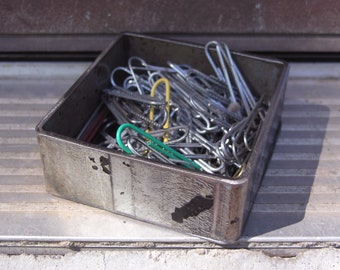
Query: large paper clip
{"type": "Point", "coordinates": [156, 145]}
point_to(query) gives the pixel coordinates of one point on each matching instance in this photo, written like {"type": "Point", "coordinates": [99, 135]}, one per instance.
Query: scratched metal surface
{"type": "Point", "coordinates": [298, 202]}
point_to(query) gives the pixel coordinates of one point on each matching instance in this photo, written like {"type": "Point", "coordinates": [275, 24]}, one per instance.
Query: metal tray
{"type": "Point", "coordinates": [145, 189]}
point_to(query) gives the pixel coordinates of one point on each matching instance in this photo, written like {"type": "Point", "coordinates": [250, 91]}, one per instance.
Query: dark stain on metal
{"type": "Point", "coordinates": [235, 220]}
{"type": "Point", "coordinates": [126, 164]}
{"type": "Point", "coordinates": [191, 209]}
{"type": "Point", "coordinates": [92, 159]}
{"type": "Point", "coordinates": [105, 163]}
{"type": "Point", "coordinates": [94, 167]}
{"type": "Point", "coordinates": [76, 246]}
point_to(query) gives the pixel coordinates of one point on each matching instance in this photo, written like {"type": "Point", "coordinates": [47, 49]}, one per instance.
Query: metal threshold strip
{"type": "Point", "coordinates": [298, 204]}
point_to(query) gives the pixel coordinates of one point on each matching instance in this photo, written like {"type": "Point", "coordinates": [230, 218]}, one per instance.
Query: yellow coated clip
{"type": "Point", "coordinates": [167, 106]}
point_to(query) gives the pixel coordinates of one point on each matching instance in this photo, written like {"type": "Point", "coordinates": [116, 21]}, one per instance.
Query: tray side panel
{"type": "Point", "coordinates": [76, 173]}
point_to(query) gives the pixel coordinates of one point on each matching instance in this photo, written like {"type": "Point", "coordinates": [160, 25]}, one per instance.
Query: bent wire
{"type": "Point", "coordinates": [154, 144]}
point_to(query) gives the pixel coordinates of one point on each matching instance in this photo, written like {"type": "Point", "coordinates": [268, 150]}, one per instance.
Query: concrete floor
{"type": "Point", "coordinates": [174, 259]}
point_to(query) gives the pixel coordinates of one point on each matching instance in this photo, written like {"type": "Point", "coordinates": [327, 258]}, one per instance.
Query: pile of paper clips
{"type": "Point", "coordinates": [179, 115]}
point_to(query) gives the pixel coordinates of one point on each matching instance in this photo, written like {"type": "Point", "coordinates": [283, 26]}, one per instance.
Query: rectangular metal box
{"type": "Point", "coordinates": [141, 188]}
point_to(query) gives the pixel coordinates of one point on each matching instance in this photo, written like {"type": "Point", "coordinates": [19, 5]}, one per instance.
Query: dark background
{"type": "Point", "coordinates": [75, 26]}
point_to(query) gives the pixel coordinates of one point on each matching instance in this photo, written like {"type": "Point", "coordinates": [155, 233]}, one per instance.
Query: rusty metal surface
{"type": "Point", "coordinates": [149, 16]}
{"type": "Point", "coordinates": [297, 206]}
